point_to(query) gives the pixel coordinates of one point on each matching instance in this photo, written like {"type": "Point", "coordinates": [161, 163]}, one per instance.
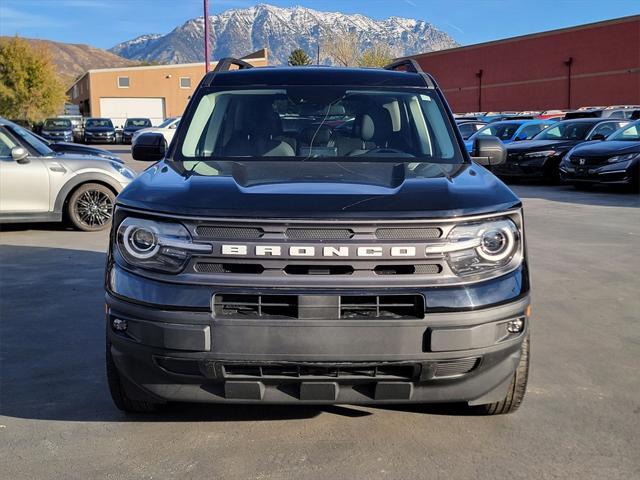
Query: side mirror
{"type": "Point", "coordinates": [488, 150]}
{"type": "Point", "coordinates": [521, 137]}
{"type": "Point", "coordinates": [174, 126]}
{"type": "Point", "coordinates": [149, 147]}
{"type": "Point", "coordinates": [20, 154]}
{"type": "Point", "coordinates": [598, 136]}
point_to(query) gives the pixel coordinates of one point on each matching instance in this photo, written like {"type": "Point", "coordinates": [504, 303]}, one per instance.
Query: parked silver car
{"type": "Point", "coordinates": [40, 185]}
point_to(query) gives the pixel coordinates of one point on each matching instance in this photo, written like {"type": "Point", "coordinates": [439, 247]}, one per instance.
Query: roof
{"type": "Point", "coordinates": [632, 18]}
{"type": "Point", "coordinates": [277, 76]}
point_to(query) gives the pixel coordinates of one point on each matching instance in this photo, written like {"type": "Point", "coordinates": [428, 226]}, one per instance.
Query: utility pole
{"type": "Point", "coordinates": [206, 36]}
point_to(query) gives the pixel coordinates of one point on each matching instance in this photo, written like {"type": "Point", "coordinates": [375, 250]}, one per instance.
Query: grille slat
{"type": "Point", "coordinates": [426, 233]}
{"type": "Point", "coordinates": [455, 368]}
{"type": "Point", "coordinates": [229, 232]}
{"type": "Point", "coordinates": [319, 233]}
{"type": "Point", "coordinates": [319, 371]}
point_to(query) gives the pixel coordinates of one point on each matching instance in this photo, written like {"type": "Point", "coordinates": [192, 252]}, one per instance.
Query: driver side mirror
{"type": "Point", "coordinates": [488, 150]}
{"type": "Point", "coordinates": [20, 154]}
{"type": "Point", "coordinates": [149, 147]}
{"type": "Point", "coordinates": [520, 137]}
{"type": "Point", "coordinates": [598, 136]}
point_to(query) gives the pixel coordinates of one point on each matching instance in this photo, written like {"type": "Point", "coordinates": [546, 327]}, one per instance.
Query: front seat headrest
{"type": "Point", "coordinates": [376, 126]}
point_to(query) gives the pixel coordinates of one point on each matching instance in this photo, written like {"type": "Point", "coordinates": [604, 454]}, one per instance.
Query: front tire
{"type": "Point", "coordinates": [517, 388]}
{"type": "Point", "coordinates": [90, 207]}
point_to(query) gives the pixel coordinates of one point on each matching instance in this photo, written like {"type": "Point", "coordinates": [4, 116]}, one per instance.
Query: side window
{"type": "Point", "coordinates": [123, 82]}
{"type": "Point", "coordinates": [617, 114]}
{"type": "Point", "coordinates": [6, 144]}
{"type": "Point", "coordinates": [185, 82]}
{"type": "Point", "coordinates": [467, 129]}
{"type": "Point", "coordinates": [605, 129]}
{"type": "Point", "coordinates": [530, 131]}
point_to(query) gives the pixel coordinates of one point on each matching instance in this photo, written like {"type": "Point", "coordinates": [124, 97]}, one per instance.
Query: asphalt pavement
{"type": "Point", "coordinates": [580, 418]}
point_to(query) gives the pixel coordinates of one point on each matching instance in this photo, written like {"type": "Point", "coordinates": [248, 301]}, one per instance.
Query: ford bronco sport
{"type": "Point", "coordinates": [317, 236]}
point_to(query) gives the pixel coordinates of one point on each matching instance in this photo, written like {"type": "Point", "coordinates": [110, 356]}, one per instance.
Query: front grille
{"type": "Point", "coordinates": [427, 233]}
{"type": "Point", "coordinates": [319, 233]}
{"type": "Point", "coordinates": [237, 268]}
{"type": "Point", "coordinates": [425, 269]}
{"type": "Point", "coordinates": [379, 371]}
{"type": "Point", "coordinates": [351, 307]}
{"type": "Point", "coordinates": [588, 161]}
{"type": "Point", "coordinates": [381, 306]}
{"type": "Point", "coordinates": [255, 306]}
{"type": "Point", "coordinates": [229, 233]}
{"type": "Point", "coordinates": [455, 368]}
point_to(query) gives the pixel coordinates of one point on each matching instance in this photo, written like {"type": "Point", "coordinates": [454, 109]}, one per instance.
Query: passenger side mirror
{"type": "Point", "coordinates": [598, 136]}
{"type": "Point", "coordinates": [20, 154]}
{"type": "Point", "coordinates": [521, 137]}
{"type": "Point", "coordinates": [149, 147]}
{"type": "Point", "coordinates": [488, 150]}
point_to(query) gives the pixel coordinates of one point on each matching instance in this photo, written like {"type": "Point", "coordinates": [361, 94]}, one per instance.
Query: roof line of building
{"type": "Point", "coordinates": [257, 55]}
{"type": "Point", "coordinates": [614, 21]}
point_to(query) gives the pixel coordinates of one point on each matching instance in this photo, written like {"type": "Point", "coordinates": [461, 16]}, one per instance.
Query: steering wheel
{"type": "Point", "coordinates": [383, 150]}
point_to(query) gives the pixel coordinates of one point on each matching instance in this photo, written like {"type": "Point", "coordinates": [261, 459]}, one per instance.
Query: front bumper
{"type": "Point", "coordinates": [180, 355]}
{"type": "Point", "coordinates": [623, 173]}
{"type": "Point", "coordinates": [523, 168]}
{"type": "Point", "coordinates": [91, 138]}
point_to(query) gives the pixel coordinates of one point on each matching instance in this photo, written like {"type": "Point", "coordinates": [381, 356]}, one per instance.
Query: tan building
{"type": "Point", "coordinates": [156, 92]}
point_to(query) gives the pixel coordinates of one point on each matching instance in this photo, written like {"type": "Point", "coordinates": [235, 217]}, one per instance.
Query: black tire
{"type": "Point", "coordinates": [90, 207]}
{"type": "Point", "coordinates": [118, 393]}
{"type": "Point", "coordinates": [517, 388]}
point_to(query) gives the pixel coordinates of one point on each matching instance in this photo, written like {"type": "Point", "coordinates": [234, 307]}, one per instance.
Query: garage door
{"type": "Point", "coordinates": [119, 109]}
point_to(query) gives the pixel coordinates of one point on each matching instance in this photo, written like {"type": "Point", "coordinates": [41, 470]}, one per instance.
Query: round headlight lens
{"type": "Point", "coordinates": [496, 244]}
{"type": "Point", "coordinates": [140, 242]}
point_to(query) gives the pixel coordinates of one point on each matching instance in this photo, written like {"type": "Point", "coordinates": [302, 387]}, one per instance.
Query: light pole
{"type": "Point", "coordinates": [568, 62]}
{"type": "Point", "coordinates": [206, 36]}
{"type": "Point", "coordinates": [479, 76]}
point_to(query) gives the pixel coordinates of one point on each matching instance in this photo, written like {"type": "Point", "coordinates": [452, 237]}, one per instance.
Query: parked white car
{"type": "Point", "coordinates": [166, 128]}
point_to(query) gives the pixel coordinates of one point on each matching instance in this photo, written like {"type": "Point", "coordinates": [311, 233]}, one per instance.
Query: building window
{"type": "Point", "coordinates": [123, 82]}
{"type": "Point", "coordinates": [185, 82]}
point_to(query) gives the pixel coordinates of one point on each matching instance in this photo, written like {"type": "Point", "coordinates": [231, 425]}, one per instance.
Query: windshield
{"type": "Point", "coordinates": [630, 133]}
{"type": "Point", "coordinates": [566, 131]}
{"type": "Point", "coordinates": [57, 124]}
{"type": "Point", "coordinates": [138, 122]}
{"type": "Point", "coordinates": [28, 137]}
{"type": "Point", "coordinates": [99, 122]}
{"type": "Point", "coordinates": [166, 123]}
{"type": "Point", "coordinates": [302, 122]}
{"type": "Point", "coordinates": [504, 131]}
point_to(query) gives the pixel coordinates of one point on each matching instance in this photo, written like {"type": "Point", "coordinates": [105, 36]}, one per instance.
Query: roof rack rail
{"type": "Point", "coordinates": [226, 63]}
{"type": "Point", "coordinates": [409, 64]}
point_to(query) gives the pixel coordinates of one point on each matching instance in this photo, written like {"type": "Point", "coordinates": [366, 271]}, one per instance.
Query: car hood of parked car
{"type": "Point", "coordinates": [604, 148]}
{"type": "Point", "coordinates": [537, 145]}
{"type": "Point", "coordinates": [78, 149]}
{"type": "Point", "coordinates": [169, 187]}
{"type": "Point", "coordinates": [99, 129]}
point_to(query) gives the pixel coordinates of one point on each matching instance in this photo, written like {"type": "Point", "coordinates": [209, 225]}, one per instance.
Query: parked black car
{"type": "Point", "coordinates": [132, 125]}
{"type": "Point", "coordinates": [469, 127]}
{"type": "Point", "coordinates": [79, 149]}
{"type": "Point", "coordinates": [57, 130]}
{"type": "Point", "coordinates": [376, 264]}
{"type": "Point", "coordinates": [99, 130]}
{"type": "Point", "coordinates": [539, 158]}
{"type": "Point", "coordinates": [615, 160]}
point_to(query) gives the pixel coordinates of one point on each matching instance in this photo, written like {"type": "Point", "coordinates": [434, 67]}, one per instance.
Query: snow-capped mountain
{"type": "Point", "coordinates": [238, 32]}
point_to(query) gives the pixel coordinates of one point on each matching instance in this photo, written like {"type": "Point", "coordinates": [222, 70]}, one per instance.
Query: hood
{"type": "Point", "coordinates": [99, 129]}
{"type": "Point", "coordinates": [525, 146]}
{"type": "Point", "coordinates": [163, 188]}
{"type": "Point", "coordinates": [606, 148]}
{"type": "Point", "coordinates": [78, 149]}
{"type": "Point", "coordinates": [133, 128]}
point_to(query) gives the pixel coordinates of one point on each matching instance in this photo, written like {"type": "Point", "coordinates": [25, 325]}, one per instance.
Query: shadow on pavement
{"type": "Point", "coordinates": [52, 348]}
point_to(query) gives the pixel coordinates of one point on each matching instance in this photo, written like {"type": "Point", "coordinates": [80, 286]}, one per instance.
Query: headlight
{"type": "Point", "coordinates": [122, 170]}
{"type": "Point", "coordinates": [161, 246]}
{"type": "Point", "coordinates": [483, 247]}
{"type": "Point", "coordinates": [541, 154]}
{"type": "Point", "coordinates": [623, 158]}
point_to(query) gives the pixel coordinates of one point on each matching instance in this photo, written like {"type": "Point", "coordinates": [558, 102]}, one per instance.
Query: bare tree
{"type": "Point", "coordinates": [378, 55]}
{"type": "Point", "coordinates": [342, 48]}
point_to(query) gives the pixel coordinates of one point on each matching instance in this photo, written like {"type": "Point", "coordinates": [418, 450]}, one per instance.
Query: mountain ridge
{"type": "Point", "coordinates": [237, 32]}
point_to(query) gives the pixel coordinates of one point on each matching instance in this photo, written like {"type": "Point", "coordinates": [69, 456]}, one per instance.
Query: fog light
{"type": "Point", "coordinates": [515, 326]}
{"type": "Point", "coordinates": [119, 324]}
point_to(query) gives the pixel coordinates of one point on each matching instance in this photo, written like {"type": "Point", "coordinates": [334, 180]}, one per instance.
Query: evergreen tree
{"type": "Point", "coordinates": [299, 58]}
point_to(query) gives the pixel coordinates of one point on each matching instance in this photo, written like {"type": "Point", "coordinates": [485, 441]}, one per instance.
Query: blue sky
{"type": "Point", "coordinates": [104, 23]}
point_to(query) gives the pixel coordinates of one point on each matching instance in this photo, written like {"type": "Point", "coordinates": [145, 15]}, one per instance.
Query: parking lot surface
{"type": "Point", "coordinates": [580, 419]}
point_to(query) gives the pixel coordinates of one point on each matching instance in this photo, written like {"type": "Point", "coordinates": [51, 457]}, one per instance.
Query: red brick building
{"type": "Point", "coordinates": [593, 64]}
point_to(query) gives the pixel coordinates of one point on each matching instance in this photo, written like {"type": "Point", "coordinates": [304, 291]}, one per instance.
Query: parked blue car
{"type": "Point", "coordinates": [510, 130]}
